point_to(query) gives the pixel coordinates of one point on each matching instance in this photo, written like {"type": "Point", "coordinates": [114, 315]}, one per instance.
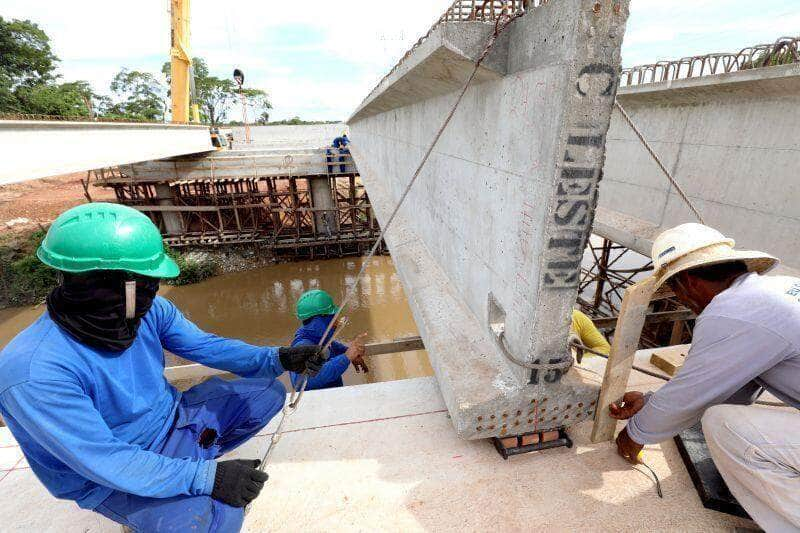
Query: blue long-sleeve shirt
{"type": "Point", "coordinates": [331, 374]}
{"type": "Point", "coordinates": [91, 421]}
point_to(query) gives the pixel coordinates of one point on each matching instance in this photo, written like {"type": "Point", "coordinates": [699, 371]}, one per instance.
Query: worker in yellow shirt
{"type": "Point", "coordinates": [588, 334]}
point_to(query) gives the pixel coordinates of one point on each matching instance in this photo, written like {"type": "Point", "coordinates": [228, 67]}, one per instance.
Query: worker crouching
{"type": "Point", "coordinates": [316, 310]}
{"type": "Point", "coordinates": [746, 341]}
{"type": "Point", "coordinates": [83, 389]}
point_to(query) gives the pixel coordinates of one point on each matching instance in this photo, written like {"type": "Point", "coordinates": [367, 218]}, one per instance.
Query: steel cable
{"type": "Point", "coordinates": [297, 393]}
{"type": "Point", "coordinates": [657, 159]}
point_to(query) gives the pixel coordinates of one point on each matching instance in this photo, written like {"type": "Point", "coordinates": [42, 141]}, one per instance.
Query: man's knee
{"type": "Point", "coordinates": [269, 400]}
{"type": "Point", "coordinates": [716, 420]}
{"type": "Point", "coordinates": [726, 427]}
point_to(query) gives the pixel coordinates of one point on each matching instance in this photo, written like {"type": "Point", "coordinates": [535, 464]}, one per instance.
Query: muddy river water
{"type": "Point", "coordinates": [257, 306]}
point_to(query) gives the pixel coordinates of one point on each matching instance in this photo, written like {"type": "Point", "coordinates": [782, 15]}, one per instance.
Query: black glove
{"type": "Point", "coordinates": [302, 359]}
{"type": "Point", "coordinates": [237, 482]}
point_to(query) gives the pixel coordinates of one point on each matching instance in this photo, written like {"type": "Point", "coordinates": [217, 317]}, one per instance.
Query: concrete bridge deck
{"type": "Point", "coordinates": [383, 457]}
{"type": "Point", "coordinates": [38, 149]}
{"type": "Point", "coordinates": [730, 141]}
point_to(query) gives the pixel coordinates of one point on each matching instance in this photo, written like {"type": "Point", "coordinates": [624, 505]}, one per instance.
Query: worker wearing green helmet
{"type": "Point", "coordinates": [316, 310]}
{"type": "Point", "coordinates": [83, 388]}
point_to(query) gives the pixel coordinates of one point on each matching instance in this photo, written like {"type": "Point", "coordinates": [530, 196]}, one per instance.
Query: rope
{"type": "Point", "coordinates": [657, 159]}
{"type": "Point", "coordinates": [296, 396]}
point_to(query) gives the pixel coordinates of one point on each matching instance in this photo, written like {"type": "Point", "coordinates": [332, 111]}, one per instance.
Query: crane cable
{"type": "Point", "coordinates": [657, 159]}
{"type": "Point", "coordinates": [296, 396]}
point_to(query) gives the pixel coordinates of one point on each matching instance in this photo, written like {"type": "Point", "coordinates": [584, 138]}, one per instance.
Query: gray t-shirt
{"type": "Point", "coordinates": [746, 340]}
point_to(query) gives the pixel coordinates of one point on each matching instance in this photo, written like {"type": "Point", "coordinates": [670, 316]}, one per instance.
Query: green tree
{"type": "Point", "coordinates": [258, 102]}
{"type": "Point", "coordinates": [217, 96]}
{"type": "Point", "coordinates": [138, 96]}
{"type": "Point", "coordinates": [73, 99]}
{"type": "Point", "coordinates": [26, 60]}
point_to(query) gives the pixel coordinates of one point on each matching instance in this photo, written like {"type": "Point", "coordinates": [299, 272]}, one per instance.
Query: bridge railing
{"type": "Point", "coordinates": [783, 51]}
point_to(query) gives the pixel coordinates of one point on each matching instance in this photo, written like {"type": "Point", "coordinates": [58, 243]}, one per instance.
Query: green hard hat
{"type": "Point", "coordinates": [315, 303]}
{"type": "Point", "coordinates": [101, 236]}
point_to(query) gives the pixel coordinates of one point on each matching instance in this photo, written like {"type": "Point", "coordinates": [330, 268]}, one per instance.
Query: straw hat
{"type": "Point", "coordinates": [692, 245]}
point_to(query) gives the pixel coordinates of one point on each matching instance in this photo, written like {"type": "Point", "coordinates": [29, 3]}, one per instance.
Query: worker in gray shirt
{"type": "Point", "coordinates": [746, 341]}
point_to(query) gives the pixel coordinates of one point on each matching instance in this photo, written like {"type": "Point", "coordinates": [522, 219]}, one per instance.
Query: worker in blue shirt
{"type": "Point", "coordinates": [83, 389]}
{"type": "Point", "coordinates": [316, 310]}
{"type": "Point", "coordinates": [340, 145]}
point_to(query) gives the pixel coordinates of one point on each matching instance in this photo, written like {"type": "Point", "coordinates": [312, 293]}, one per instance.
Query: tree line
{"type": "Point", "coordinates": [29, 85]}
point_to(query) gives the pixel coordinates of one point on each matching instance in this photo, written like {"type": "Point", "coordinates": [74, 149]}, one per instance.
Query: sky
{"type": "Point", "coordinates": [320, 59]}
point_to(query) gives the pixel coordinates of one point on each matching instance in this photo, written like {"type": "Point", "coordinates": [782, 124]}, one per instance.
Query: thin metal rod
{"type": "Point", "coordinates": [580, 346]}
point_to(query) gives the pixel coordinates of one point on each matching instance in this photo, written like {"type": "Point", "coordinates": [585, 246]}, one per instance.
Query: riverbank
{"type": "Point", "coordinates": [24, 280]}
{"type": "Point", "coordinates": [257, 306]}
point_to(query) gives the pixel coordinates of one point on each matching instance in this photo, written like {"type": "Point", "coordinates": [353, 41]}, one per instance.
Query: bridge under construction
{"type": "Point", "coordinates": [556, 173]}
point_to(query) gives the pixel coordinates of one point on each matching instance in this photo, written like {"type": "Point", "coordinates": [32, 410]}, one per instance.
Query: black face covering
{"type": "Point", "coordinates": [91, 307]}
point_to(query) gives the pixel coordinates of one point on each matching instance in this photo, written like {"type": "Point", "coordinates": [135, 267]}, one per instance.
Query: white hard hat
{"type": "Point", "coordinates": [692, 245]}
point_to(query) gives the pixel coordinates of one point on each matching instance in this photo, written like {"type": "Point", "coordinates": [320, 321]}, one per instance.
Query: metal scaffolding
{"type": "Point", "coordinates": [608, 270]}
{"type": "Point", "coordinates": [277, 212]}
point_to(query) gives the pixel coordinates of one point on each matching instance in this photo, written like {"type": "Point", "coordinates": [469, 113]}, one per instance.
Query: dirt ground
{"type": "Point", "coordinates": [24, 206]}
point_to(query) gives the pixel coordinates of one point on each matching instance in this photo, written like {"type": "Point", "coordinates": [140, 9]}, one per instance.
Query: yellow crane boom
{"type": "Point", "coordinates": [181, 63]}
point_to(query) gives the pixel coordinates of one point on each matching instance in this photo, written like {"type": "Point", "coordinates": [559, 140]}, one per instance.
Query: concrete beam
{"type": "Point", "coordinates": [241, 164]}
{"type": "Point", "coordinates": [439, 66]}
{"type": "Point", "coordinates": [729, 140]}
{"type": "Point", "coordinates": [494, 230]}
{"type": "Point", "coordinates": [37, 149]}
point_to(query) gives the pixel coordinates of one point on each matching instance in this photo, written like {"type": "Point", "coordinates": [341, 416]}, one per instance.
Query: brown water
{"type": "Point", "coordinates": [257, 306]}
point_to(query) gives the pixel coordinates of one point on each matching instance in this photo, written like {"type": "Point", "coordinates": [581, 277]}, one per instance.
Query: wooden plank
{"type": "Point", "coordinates": [194, 371]}
{"type": "Point", "coordinates": [197, 371]}
{"type": "Point", "coordinates": [652, 318]}
{"type": "Point", "coordinates": [626, 341]}
{"type": "Point", "coordinates": [396, 346]}
{"type": "Point", "coordinates": [669, 359]}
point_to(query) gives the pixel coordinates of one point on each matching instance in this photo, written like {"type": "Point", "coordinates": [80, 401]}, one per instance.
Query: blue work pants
{"type": "Point", "coordinates": [212, 419]}
{"type": "Point", "coordinates": [342, 153]}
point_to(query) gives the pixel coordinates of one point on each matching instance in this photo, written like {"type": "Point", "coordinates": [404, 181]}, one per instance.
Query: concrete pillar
{"type": "Point", "coordinates": [327, 223]}
{"type": "Point", "coordinates": [173, 224]}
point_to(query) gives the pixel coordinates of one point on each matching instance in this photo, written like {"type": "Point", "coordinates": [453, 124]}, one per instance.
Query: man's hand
{"type": "Point", "coordinates": [628, 448]}
{"type": "Point", "coordinates": [302, 359]}
{"type": "Point", "coordinates": [631, 404]}
{"type": "Point", "coordinates": [356, 352]}
{"type": "Point", "coordinates": [238, 482]}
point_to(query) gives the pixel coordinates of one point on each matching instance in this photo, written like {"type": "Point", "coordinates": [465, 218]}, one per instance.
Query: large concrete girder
{"type": "Point", "coordinates": [730, 140]}
{"type": "Point", "coordinates": [503, 209]}
{"type": "Point", "coordinates": [236, 164]}
{"type": "Point", "coordinates": [37, 149]}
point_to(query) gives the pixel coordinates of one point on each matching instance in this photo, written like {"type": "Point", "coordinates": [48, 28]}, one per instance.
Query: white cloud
{"type": "Point", "coordinates": [318, 58]}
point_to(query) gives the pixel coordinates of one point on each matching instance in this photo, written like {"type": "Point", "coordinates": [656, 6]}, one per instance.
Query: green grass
{"type": "Point", "coordinates": [24, 280]}
{"type": "Point", "coordinates": [192, 270]}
